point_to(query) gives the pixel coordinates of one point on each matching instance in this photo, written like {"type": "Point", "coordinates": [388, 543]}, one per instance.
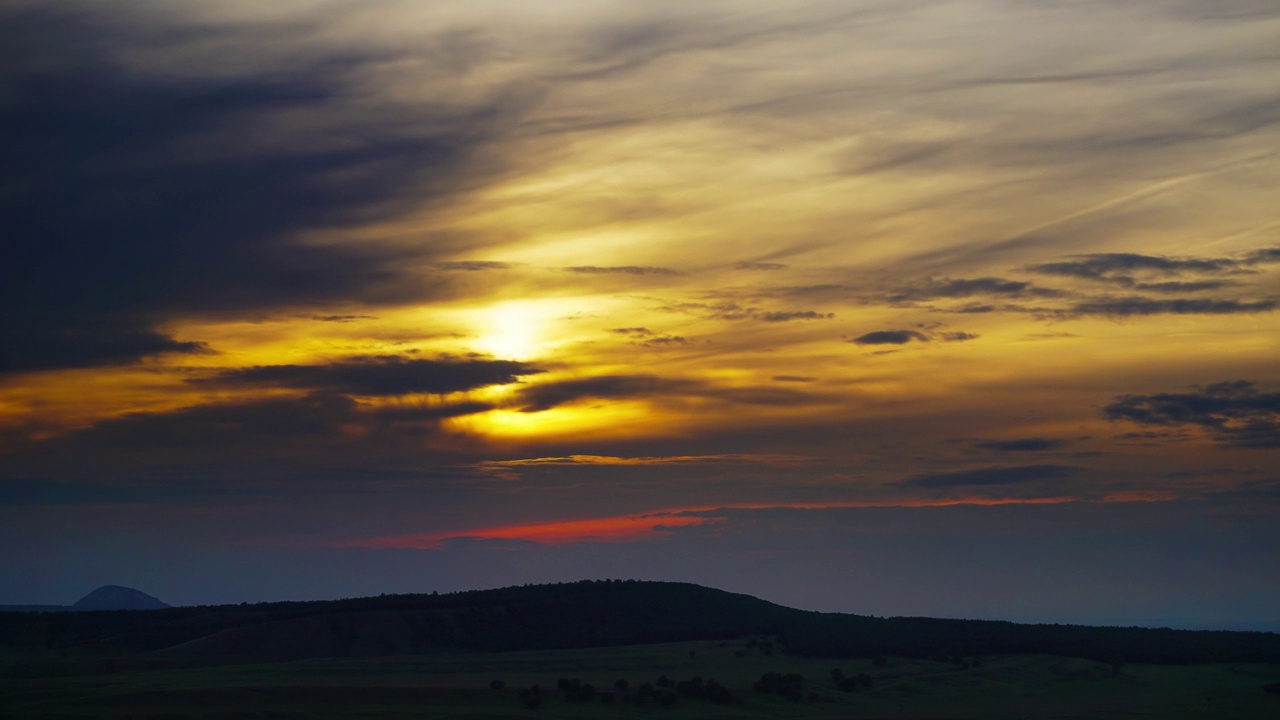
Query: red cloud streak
{"type": "Point", "coordinates": [623, 528]}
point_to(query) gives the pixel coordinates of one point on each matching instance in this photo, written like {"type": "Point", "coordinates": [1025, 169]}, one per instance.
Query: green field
{"type": "Point", "coordinates": [457, 685]}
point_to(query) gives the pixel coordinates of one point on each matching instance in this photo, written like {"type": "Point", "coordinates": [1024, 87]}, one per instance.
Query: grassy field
{"type": "Point", "coordinates": [457, 685]}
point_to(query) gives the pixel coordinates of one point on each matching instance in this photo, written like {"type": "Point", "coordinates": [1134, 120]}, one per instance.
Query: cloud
{"type": "Point", "coordinates": [1125, 269]}
{"type": "Point", "coordinates": [621, 270]}
{"type": "Point", "coordinates": [902, 337]}
{"type": "Point", "coordinates": [316, 418]}
{"type": "Point", "coordinates": [890, 337]}
{"type": "Point", "coordinates": [1133, 306]}
{"type": "Point", "coordinates": [1234, 412]}
{"type": "Point", "coordinates": [795, 315]}
{"type": "Point", "coordinates": [1111, 266]}
{"type": "Point", "coordinates": [341, 318]}
{"type": "Point", "coordinates": [647, 338]}
{"type": "Point", "coordinates": [719, 459]}
{"type": "Point", "coordinates": [321, 439]}
{"type": "Point", "coordinates": [775, 396]}
{"type": "Point", "coordinates": [759, 266]}
{"type": "Point", "coordinates": [473, 265]}
{"type": "Point", "coordinates": [427, 413]}
{"type": "Point", "coordinates": [792, 378]}
{"type": "Point", "coordinates": [948, 288]}
{"type": "Point", "coordinates": [544, 396]}
{"type": "Point", "coordinates": [734, 311]}
{"type": "Point", "coordinates": [139, 196]}
{"type": "Point", "coordinates": [987, 476]}
{"type": "Point", "coordinates": [1022, 444]}
{"type": "Point", "coordinates": [1264, 255]}
{"type": "Point", "coordinates": [1176, 286]}
{"type": "Point", "coordinates": [381, 375]}
{"type": "Point", "coordinates": [666, 341]}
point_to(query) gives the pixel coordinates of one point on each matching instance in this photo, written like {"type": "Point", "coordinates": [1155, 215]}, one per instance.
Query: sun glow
{"type": "Point", "coordinates": [599, 421]}
{"type": "Point", "coordinates": [511, 331]}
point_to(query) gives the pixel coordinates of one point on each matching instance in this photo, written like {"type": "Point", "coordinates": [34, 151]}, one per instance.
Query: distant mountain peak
{"type": "Point", "coordinates": [116, 597]}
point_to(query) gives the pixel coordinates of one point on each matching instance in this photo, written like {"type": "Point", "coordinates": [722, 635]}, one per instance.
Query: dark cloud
{"type": "Point", "coordinates": [133, 198]}
{"type": "Point", "coordinates": [318, 439]}
{"type": "Point", "coordinates": [890, 337]}
{"type": "Point", "coordinates": [1022, 444]}
{"type": "Point", "coordinates": [991, 476]}
{"type": "Point", "coordinates": [1131, 306]}
{"type": "Point", "coordinates": [421, 413]}
{"type": "Point", "coordinates": [958, 336]}
{"type": "Point", "coordinates": [342, 318]}
{"type": "Point", "coordinates": [1265, 255]}
{"type": "Point", "coordinates": [949, 288]}
{"type": "Point", "coordinates": [759, 266]}
{"type": "Point", "coordinates": [792, 378]}
{"type": "Point", "coordinates": [1117, 267]}
{"type": "Point", "coordinates": [734, 311]}
{"type": "Point", "coordinates": [621, 270]}
{"type": "Point", "coordinates": [74, 343]}
{"type": "Point", "coordinates": [648, 338]}
{"type": "Point", "coordinates": [545, 396]}
{"type": "Point", "coordinates": [318, 417]}
{"type": "Point", "coordinates": [1177, 286]}
{"type": "Point", "coordinates": [473, 265]}
{"type": "Point", "coordinates": [1234, 412]}
{"type": "Point", "coordinates": [823, 289]}
{"type": "Point", "coordinates": [666, 340]}
{"type": "Point", "coordinates": [382, 375]}
{"type": "Point", "coordinates": [794, 315]}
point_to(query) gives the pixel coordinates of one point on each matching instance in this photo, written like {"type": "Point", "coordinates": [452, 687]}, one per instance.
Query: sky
{"type": "Point", "coordinates": [960, 308]}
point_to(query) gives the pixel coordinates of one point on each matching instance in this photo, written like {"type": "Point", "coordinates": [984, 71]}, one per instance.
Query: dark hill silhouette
{"type": "Point", "coordinates": [582, 614]}
{"type": "Point", "coordinates": [116, 597]}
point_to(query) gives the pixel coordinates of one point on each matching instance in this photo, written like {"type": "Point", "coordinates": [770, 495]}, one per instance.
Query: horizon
{"type": "Point", "coordinates": [1156, 624]}
{"type": "Point", "coordinates": [963, 308]}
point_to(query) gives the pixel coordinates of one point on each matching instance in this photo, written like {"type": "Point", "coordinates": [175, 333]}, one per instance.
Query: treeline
{"type": "Point", "coordinates": [584, 614]}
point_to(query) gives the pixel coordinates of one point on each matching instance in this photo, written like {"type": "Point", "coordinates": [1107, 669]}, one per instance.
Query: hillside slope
{"type": "Point", "coordinates": [579, 615]}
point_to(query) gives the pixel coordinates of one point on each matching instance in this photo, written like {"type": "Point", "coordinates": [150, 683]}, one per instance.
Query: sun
{"type": "Point", "coordinates": [511, 330]}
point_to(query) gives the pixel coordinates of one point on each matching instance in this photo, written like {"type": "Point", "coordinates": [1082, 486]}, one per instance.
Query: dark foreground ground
{"type": "Point", "coordinates": [612, 650]}
{"type": "Point", "coordinates": [458, 685]}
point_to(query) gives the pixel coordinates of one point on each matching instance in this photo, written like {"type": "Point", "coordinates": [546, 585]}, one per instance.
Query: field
{"type": "Point", "coordinates": [457, 685]}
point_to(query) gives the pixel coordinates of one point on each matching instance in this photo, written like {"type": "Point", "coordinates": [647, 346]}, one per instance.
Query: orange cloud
{"type": "Point", "coordinates": [774, 459]}
{"type": "Point", "coordinates": [644, 526]}
{"type": "Point", "coordinates": [605, 529]}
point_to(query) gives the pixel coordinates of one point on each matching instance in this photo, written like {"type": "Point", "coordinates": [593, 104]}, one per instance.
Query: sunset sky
{"type": "Point", "coordinates": [963, 308]}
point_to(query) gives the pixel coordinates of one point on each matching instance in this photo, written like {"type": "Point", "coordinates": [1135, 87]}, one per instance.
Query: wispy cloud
{"type": "Point", "coordinates": [987, 476]}
{"type": "Point", "coordinates": [722, 459]}
{"type": "Point", "coordinates": [381, 375]}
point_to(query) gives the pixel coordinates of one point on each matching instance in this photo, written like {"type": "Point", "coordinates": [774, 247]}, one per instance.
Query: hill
{"type": "Point", "coordinates": [116, 597]}
{"type": "Point", "coordinates": [576, 615]}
